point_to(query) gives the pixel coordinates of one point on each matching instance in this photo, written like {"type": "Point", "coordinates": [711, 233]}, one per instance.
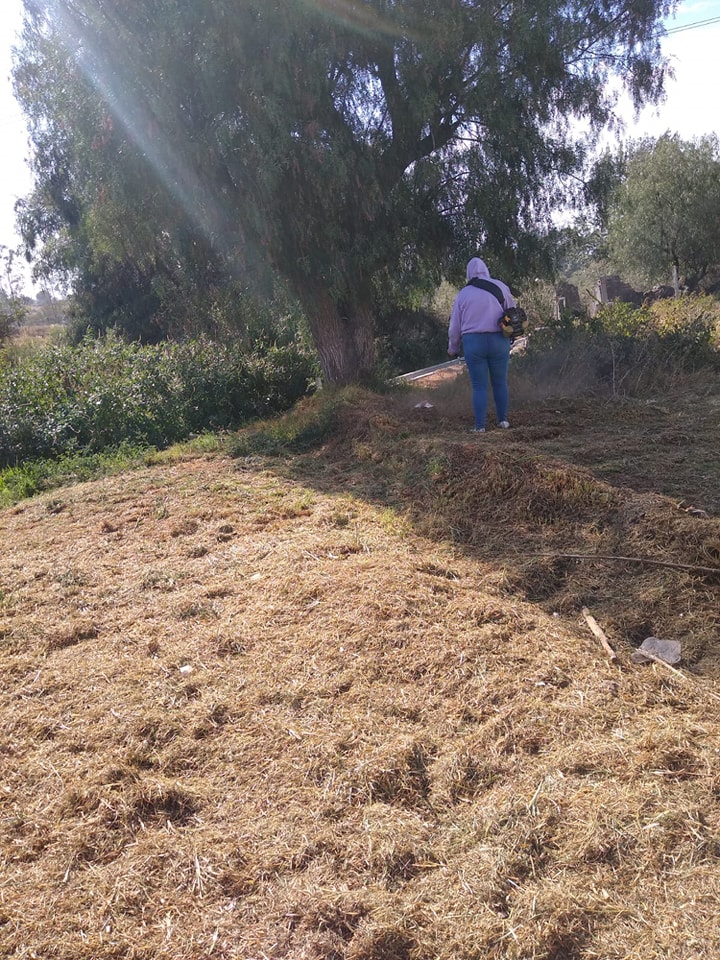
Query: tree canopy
{"type": "Point", "coordinates": [666, 212]}
{"type": "Point", "coordinates": [347, 146]}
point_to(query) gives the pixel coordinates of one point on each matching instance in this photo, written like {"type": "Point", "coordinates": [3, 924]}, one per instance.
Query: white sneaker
{"type": "Point", "coordinates": [478, 430]}
{"type": "Point", "coordinates": [504, 425]}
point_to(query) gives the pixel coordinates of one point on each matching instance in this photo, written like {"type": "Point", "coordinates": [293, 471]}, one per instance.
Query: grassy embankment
{"type": "Point", "coordinates": [330, 693]}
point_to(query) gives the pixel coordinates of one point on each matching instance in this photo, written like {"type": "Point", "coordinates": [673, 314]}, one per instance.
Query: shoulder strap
{"type": "Point", "coordinates": [490, 287]}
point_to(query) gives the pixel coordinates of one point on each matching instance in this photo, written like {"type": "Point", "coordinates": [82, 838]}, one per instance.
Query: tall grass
{"type": "Point", "coordinates": [624, 351]}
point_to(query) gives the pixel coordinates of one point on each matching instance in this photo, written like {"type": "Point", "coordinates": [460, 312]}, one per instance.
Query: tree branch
{"type": "Point", "coordinates": [646, 560]}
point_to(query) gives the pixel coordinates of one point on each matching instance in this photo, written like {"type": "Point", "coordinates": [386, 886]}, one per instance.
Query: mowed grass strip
{"type": "Point", "coordinates": [308, 708]}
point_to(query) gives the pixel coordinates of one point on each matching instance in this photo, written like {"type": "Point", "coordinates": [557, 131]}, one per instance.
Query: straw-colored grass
{"type": "Point", "coordinates": [344, 705]}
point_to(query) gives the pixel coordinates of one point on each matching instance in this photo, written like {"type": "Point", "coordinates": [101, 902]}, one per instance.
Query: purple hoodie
{"type": "Point", "coordinates": [476, 311]}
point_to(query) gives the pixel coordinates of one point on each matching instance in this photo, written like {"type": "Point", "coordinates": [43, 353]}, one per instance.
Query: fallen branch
{"type": "Point", "coordinates": [595, 627]}
{"type": "Point", "coordinates": [655, 563]}
{"type": "Point", "coordinates": [678, 673]}
{"type": "Point", "coordinates": [656, 659]}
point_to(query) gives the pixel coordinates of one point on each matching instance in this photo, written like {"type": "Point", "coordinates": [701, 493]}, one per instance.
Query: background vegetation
{"type": "Point", "coordinates": [359, 158]}
{"type": "Point", "coordinates": [665, 211]}
{"type": "Point", "coordinates": [72, 410]}
{"type": "Point", "coordinates": [60, 401]}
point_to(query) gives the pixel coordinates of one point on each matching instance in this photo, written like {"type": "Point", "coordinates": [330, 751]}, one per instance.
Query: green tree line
{"type": "Point", "coordinates": [651, 213]}
{"type": "Point", "coordinates": [665, 212]}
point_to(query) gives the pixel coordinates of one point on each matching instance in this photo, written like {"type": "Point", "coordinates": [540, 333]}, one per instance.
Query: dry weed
{"type": "Point", "coordinates": [345, 706]}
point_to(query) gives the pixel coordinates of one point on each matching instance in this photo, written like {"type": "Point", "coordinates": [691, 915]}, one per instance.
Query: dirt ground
{"type": "Point", "coordinates": [346, 705]}
{"type": "Point", "coordinates": [669, 444]}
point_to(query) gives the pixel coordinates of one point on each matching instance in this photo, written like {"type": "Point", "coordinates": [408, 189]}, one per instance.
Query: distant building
{"type": "Point", "coordinates": [612, 290]}
{"type": "Point", "coordinates": [567, 299]}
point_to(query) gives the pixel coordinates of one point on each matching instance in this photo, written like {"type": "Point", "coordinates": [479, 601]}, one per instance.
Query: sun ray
{"type": "Point", "coordinates": [360, 16]}
{"type": "Point", "coordinates": [122, 98]}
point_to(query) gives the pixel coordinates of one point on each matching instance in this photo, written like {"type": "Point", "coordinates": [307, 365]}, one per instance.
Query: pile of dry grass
{"type": "Point", "coordinates": [343, 706]}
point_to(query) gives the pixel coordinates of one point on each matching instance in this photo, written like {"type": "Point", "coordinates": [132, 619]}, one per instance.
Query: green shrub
{"type": "Point", "coordinates": [679, 333]}
{"type": "Point", "coordinates": [695, 319]}
{"type": "Point", "coordinates": [107, 392]}
{"type": "Point", "coordinates": [538, 300]}
{"type": "Point", "coordinates": [306, 426]}
{"type": "Point", "coordinates": [411, 340]}
{"type": "Point", "coordinates": [623, 320]}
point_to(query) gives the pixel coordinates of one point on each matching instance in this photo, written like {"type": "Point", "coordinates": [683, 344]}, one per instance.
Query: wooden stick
{"type": "Point", "coordinates": [595, 627]}
{"type": "Point", "coordinates": [656, 563]}
{"type": "Point", "coordinates": [668, 666]}
{"type": "Point", "coordinates": [678, 673]}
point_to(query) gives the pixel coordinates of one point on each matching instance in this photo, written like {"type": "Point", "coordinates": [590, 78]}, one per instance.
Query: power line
{"type": "Point", "coordinates": [693, 26]}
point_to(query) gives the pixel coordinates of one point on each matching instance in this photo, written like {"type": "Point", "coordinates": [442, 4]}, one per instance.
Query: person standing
{"type": "Point", "coordinates": [475, 321]}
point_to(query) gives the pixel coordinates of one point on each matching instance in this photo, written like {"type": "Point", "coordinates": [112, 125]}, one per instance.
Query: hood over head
{"type": "Point", "coordinates": [477, 268]}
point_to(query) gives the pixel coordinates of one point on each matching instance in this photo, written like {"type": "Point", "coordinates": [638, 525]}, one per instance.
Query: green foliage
{"type": "Point", "coordinates": [538, 302]}
{"type": "Point", "coordinates": [415, 336]}
{"type": "Point", "coordinates": [119, 296]}
{"type": "Point", "coordinates": [606, 177]}
{"type": "Point", "coordinates": [667, 212]}
{"type": "Point", "coordinates": [18, 483]}
{"type": "Point", "coordinates": [35, 476]}
{"type": "Point", "coordinates": [622, 320]}
{"type": "Point", "coordinates": [13, 308]}
{"type": "Point", "coordinates": [5, 325]}
{"type": "Point", "coordinates": [106, 392]}
{"type": "Point", "coordinates": [412, 339]}
{"type": "Point", "coordinates": [580, 254]}
{"type": "Point", "coordinates": [685, 325]}
{"type": "Point", "coordinates": [359, 153]}
{"type": "Point", "coordinates": [695, 317]}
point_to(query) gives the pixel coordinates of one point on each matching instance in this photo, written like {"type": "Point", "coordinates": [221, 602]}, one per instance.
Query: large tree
{"type": "Point", "coordinates": [666, 212]}
{"type": "Point", "coordinates": [340, 142]}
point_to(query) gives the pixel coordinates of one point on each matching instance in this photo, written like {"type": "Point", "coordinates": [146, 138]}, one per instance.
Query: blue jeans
{"type": "Point", "coordinates": [487, 355]}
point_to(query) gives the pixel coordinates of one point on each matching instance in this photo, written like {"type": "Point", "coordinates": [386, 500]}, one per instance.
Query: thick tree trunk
{"type": "Point", "coordinates": [345, 343]}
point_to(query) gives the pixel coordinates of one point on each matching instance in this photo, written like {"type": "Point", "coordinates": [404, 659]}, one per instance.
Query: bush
{"type": "Point", "coordinates": [538, 300]}
{"type": "Point", "coordinates": [309, 424]}
{"type": "Point", "coordinates": [695, 319]}
{"type": "Point", "coordinates": [622, 320]}
{"type": "Point", "coordinates": [106, 392]}
{"type": "Point", "coordinates": [34, 476]}
{"type": "Point", "coordinates": [5, 325]}
{"type": "Point", "coordinates": [624, 351]}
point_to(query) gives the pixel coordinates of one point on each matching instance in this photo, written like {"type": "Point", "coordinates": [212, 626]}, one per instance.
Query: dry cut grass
{"type": "Point", "coordinates": [345, 706]}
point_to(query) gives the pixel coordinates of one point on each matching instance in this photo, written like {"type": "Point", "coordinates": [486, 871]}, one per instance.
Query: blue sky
{"type": "Point", "coordinates": [691, 108]}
